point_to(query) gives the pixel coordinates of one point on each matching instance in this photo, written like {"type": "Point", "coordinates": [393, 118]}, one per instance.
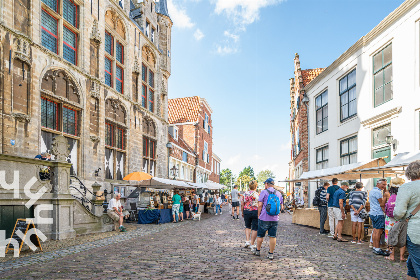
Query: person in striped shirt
{"type": "Point", "coordinates": [322, 208]}
{"type": "Point", "coordinates": [357, 202]}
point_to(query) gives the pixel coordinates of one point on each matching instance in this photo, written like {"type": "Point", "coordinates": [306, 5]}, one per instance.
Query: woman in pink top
{"type": "Point", "coordinates": [249, 207]}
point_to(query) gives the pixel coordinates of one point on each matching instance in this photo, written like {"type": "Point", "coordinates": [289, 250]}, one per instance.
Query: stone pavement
{"type": "Point", "coordinates": [209, 249]}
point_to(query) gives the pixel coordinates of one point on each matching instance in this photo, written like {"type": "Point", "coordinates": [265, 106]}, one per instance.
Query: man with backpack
{"type": "Point", "coordinates": [320, 200]}
{"type": "Point", "coordinates": [270, 203]}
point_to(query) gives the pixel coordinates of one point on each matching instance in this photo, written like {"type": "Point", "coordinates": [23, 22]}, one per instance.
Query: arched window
{"type": "Point", "coordinates": [60, 113]}
{"type": "Point", "coordinates": [149, 146]}
{"type": "Point", "coordinates": [54, 15]}
{"type": "Point", "coordinates": [114, 51]}
{"type": "Point", "coordinates": [115, 139]}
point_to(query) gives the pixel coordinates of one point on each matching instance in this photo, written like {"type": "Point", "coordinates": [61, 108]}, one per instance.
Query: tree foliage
{"type": "Point", "coordinates": [264, 175]}
{"type": "Point", "coordinates": [243, 181]}
{"type": "Point", "coordinates": [248, 171]}
{"type": "Point", "coordinates": [225, 177]}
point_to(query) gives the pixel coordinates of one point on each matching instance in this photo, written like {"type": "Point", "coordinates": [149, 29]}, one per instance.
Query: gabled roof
{"type": "Point", "coordinates": [309, 74]}
{"type": "Point", "coordinates": [183, 110]}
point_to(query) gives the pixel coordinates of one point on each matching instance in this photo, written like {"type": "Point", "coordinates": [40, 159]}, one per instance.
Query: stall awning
{"type": "Point", "coordinates": [160, 183]}
{"type": "Point", "coordinates": [399, 161]}
{"type": "Point", "coordinates": [197, 185]}
{"type": "Point", "coordinates": [215, 186]}
{"type": "Point", "coordinates": [345, 172]}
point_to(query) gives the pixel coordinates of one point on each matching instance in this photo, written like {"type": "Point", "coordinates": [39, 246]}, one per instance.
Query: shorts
{"type": "Point", "coordinates": [337, 214]}
{"type": "Point", "coordinates": [251, 219]}
{"type": "Point", "coordinates": [356, 218]}
{"type": "Point", "coordinates": [264, 226]}
{"type": "Point", "coordinates": [235, 204]}
{"type": "Point", "coordinates": [378, 222]}
{"type": "Point", "coordinates": [113, 215]}
{"type": "Point", "coordinates": [175, 209]}
{"type": "Point", "coordinates": [187, 207]}
{"type": "Point", "coordinates": [413, 261]}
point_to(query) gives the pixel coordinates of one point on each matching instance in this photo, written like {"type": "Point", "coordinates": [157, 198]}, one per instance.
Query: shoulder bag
{"type": "Point", "coordinates": [397, 236]}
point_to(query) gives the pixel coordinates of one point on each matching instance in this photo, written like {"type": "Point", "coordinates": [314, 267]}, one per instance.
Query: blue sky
{"type": "Point", "coordinates": [238, 54]}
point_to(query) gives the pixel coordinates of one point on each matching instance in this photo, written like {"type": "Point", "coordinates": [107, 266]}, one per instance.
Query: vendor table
{"type": "Point", "coordinates": [161, 216]}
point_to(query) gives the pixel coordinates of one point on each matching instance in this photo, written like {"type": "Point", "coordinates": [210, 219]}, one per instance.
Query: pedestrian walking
{"type": "Point", "coordinates": [195, 202]}
{"type": "Point", "coordinates": [176, 201]}
{"type": "Point", "coordinates": [357, 202]}
{"type": "Point", "coordinates": [235, 202]}
{"type": "Point", "coordinates": [321, 195]}
{"type": "Point", "coordinates": [187, 207]}
{"type": "Point", "coordinates": [270, 203]}
{"type": "Point", "coordinates": [181, 209]}
{"type": "Point", "coordinates": [377, 207]}
{"type": "Point", "coordinates": [217, 204]}
{"type": "Point", "coordinates": [406, 206]}
{"type": "Point", "coordinates": [339, 205]}
{"type": "Point", "coordinates": [250, 214]}
{"type": "Point", "coordinates": [330, 193]}
{"type": "Point", "coordinates": [389, 217]}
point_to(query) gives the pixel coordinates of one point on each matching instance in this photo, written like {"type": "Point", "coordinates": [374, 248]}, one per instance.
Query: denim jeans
{"type": "Point", "coordinates": [218, 208]}
{"type": "Point", "coordinates": [323, 213]}
{"type": "Point", "coordinates": [267, 226]}
{"type": "Point", "coordinates": [413, 261]}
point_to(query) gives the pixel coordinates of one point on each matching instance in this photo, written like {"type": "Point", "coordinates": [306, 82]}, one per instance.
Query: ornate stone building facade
{"type": "Point", "coordinates": [94, 71]}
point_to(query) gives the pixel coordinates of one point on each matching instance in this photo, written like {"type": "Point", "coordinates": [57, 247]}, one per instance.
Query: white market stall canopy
{"type": "Point", "coordinates": [197, 185]}
{"type": "Point", "coordinates": [214, 186]}
{"type": "Point", "coordinates": [346, 172]}
{"type": "Point", "coordinates": [160, 183]}
{"type": "Point", "coordinates": [401, 160]}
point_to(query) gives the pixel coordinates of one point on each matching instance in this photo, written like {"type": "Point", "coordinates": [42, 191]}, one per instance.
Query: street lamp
{"type": "Point", "coordinates": [389, 139]}
{"type": "Point", "coordinates": [174, 171]}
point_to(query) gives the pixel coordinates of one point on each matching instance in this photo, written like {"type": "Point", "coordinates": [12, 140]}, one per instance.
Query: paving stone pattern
{"type": "Point", "coordinates": [209, 249]}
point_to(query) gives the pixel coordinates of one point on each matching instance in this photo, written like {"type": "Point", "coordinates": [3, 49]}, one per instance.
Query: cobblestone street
{"type": "Point", "coordinates": [209, 249]}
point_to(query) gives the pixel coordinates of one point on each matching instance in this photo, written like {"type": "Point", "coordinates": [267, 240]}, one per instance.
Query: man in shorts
{"type": "Point", "coordinates": [377, 207]}
{"type": "Point", "coordinates": [267, 223]}
{"type": "Point", "coordinates": [235, 202]}
{"type": "Point", "coordinates": [115, 211]}
{"type": "Point", "coordinates": [339, 205]}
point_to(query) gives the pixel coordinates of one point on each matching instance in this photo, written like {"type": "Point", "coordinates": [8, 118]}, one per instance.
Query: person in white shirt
{"type": "Point", "coordinates": [115, 211]}
{"type": "Point", "coordinates": [217, 203]}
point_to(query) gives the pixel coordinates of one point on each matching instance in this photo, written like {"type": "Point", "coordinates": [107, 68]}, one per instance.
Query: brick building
{"type": "Point", "coordinates": [190, 122]}
{"type": "Point", "coordinates": [94, 71]}
{"type": "Point", "coordinates": [299, 126]}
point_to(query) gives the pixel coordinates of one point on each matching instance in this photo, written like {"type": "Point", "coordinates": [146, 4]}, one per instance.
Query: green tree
{"type": "Point", "coordinates": [226, 177]}
{"type": "Point", "coordinates": [264, 175]}
{"type": "Point", "coordinates": [248, 171]}
{"type": "Point", "coordinates": [243, 181]}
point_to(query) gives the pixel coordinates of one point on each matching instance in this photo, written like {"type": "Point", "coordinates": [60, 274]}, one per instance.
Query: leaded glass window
{"type": "Point", "coordinates": [151, 79]}
{"type": "Point", "coordinates": [120, 51]}
{"type": "Point", "coordinates": [52, 4]}
{"type": "Point", "coordinates": [69, 45]}
{"type": "Point", "coordinates": [143, 72]}
{"type": "Point", "coordinates": [69, 121]}
{"type": "Point", "coordinates": [120, 138]}
{"type": "Point", "coordinates": [119, 79]}
{"type": "Point", "coordinates": [348, 102]}
{"type": "Point", "coordinates": [49, 31]}
{"type": "Point", "coordinates": [108, 72]}
{"type": "Point", "coordinates": [70, 12]}
{"type": "Point", "coordinates": [109, 42]}
{"type": "Point", "coordinates": [109, 134]}
{"type": "Point", "coordinates": [151, 100]}
{"type": "Point", "coordinates": [49, 114]}
{"type": "Point", "coordinates": [143, 95]}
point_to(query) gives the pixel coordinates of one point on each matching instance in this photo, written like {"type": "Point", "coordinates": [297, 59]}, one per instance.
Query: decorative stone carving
{"type": "Point", "coordinates": [60, 148]}
{"type": "Point", "coordinates": [94, 90]}
{"type": "Point", "coordinates": [115, 103]}
{"type": "Point", "coordinates": [136, 67]}
{"type": "Point", "coordinates": [21, 117]}
{"type": "Point", "coordinates": [164, 91]}
{"type": "Point", "coordinates": [22, 50]}
{"type": "Point", "coordinates": [95, 139]}
{"type": "Point", "coordinates": [95, 35]}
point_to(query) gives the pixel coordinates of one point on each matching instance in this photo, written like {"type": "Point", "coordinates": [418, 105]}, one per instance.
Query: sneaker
{"type": "Point", "coordinates": [253, 248]}
{"type": "Point", "coordinates": [220, 213]}
{"type": "Point", "coordinates": [371, 245]}
{"type": "Point", "coordinates": [247, 244]}
{"type": "Point", "coordinates": [257, 252]}
{"type": "Point", "coordinates": [270, 256]}
{"type": "Point", "coordinates": [354, 241]}
{"type": "Point", "coordinates": [234, 217]}
{"type": "Point", "coordinates": [123, 230]}
{"type": "Point", "coordinates": [331, 236]}
{"type": "Point", "coordinates": [380, 252]}
{"type": "Point", "coordinates": [215, 214]}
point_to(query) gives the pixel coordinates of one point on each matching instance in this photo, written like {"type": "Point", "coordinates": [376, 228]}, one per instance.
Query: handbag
{"type": "Point", "coordinates": [397, 236]}
{"type": "Point", "coordinates": [363, 214]}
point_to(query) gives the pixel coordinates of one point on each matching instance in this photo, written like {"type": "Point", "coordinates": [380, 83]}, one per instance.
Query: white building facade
{"type": "Point", "coordinates": [371, 91]}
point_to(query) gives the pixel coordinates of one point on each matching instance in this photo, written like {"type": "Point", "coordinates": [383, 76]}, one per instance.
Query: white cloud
{"type": "Point", "coordinates": [242, 12]}
{"type": "Point", "coordinates": [198, 35]}
{"type": "Point", "coordinates": [286, 146]}
{"type": "Point", "coordinates": [223, 50]}
{"type": "Point", "coordinates": [179, 16]}
{"type": "Point", "coordinates": [234, 37]}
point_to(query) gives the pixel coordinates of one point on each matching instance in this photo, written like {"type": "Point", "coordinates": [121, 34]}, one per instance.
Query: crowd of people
{"type": "Point", "coordinates": [388, 205]}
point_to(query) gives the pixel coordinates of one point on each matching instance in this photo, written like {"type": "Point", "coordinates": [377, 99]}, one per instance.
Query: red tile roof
{"type": "Point", "coordinates": [309, 74]}
{"type": "Point", "coordinates": [182, 110]}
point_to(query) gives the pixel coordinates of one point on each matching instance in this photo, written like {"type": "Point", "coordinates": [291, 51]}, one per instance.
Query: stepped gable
{"type": "Point", "coordinates": [183, 110]}
{"type": "Point", "coordinates": [309, 74]}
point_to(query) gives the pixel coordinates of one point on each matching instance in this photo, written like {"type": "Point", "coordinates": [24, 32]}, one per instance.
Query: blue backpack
{"type": "Point", "coordinates": [273, 204]}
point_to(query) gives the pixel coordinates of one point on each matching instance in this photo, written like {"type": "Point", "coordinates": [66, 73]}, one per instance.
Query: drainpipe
{"type": "Point", "coordinates": [305, 101]}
